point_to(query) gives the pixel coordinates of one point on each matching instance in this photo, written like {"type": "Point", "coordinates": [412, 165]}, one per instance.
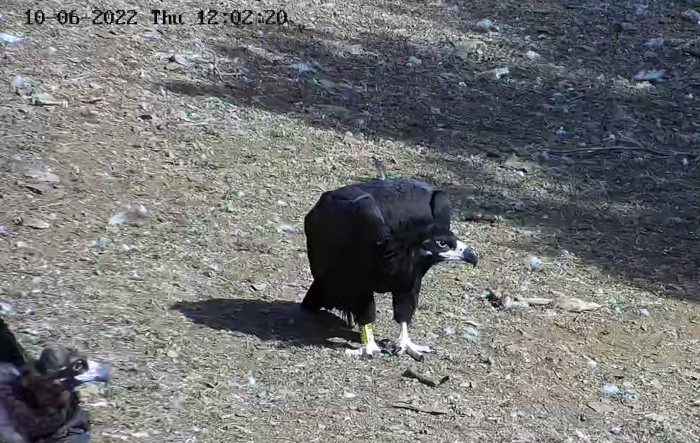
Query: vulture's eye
{"type": "Point", "coordinates": [441, 244]}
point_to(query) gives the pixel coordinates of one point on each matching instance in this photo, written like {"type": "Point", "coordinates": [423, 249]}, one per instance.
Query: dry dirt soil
{"type": "Point", "coordinates": [227, 135]}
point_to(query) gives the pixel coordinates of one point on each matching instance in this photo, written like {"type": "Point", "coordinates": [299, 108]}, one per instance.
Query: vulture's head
{"type": "Point", "coordinates": [68, 366]}
{"type": "Point", "coordinates": [439, 245]}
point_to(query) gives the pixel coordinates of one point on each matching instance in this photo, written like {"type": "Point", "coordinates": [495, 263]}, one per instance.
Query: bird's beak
{"type": "Point", "coordinates": [96, 372]}
{"type": "Point", "coordinates": [461, 253]}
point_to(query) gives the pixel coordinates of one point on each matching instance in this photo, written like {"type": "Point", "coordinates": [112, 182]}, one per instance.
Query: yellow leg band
{"type": "Point", "coordinates": [366, 334]}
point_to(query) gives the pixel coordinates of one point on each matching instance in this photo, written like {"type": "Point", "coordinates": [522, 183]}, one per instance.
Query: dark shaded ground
{"type": "Point", "coordinates": [632, 211]}
{"type": "Point", "coordinates": [269, 321]}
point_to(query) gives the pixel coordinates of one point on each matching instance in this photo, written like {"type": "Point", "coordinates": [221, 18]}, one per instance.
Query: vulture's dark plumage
{"type": "Point", "coordinates": [37, 401]}
{"type": "Point", "coordinates": [378, 236]}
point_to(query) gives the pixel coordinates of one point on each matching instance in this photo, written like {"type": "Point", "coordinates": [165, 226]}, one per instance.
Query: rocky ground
{"type": "Point", "coordinates": [155, 180]}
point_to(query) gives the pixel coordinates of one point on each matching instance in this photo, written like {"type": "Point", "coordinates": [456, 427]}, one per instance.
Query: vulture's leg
{"type": "Point", "coordinates": [404, 307]}
{"type": "Point", "coordinates": [406, 343]}
{"type": "Point", "coordinates": [368, 347]}
{"type": "Point", "coordinates": [366, 314]}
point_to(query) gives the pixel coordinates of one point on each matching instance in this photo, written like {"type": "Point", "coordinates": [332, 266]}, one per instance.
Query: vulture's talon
{"type": "Point", "coordinates": [418, 349]}
{"type": "Point", "coordinates": [370, 350]}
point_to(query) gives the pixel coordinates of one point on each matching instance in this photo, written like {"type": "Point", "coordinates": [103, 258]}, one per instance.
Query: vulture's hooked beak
{"type": "Point", "coordinates": [461, 252]}
{"type": "Point", "coordinates": [95, 373]}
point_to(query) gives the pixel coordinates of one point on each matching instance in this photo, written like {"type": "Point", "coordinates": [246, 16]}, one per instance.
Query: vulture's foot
{"type": "Point", "coordinates": [368, 346]}
{"type": "Point", "coordinates": [369, 350]}
{"type": "Point", "coordinates": [405, 344]}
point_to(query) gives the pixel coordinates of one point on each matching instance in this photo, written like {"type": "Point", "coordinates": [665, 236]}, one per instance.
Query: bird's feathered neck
{"type": "Point", "coordinates": [402, 249]}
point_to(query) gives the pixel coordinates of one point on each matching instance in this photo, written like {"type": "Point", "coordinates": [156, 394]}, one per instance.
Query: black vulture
{"type": "Point", "coordinates": [379, 236]}
{"type": "Point", "coordinates": [38, 402]}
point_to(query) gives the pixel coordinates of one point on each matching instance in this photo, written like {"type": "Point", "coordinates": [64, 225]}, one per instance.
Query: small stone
{"type": "Point", "coordinates": [35, 223]}
{"type": "Point", "coordinates": [133, 275]}
{"type": "Point", "coordinates": [38, 174]}
{"type": "Point", "coordinates": [654, 43]}
{"type": "Point", "coordinates": [173, 353]}
{"type": "Point", "coordinates": [610, 390]}
{"type": "Point", "coordinates": [172, 66]}
{"type": "Point", "coordinates": [349, 394]}
{"type": "Point", "coordinates": [414, 61]}
{"type": "Point", "coordinates": [535, 263]}
{"type": "Point", "coordinates": [472, 331]}
{"type": "Point", "coordinates": [525, 286]}
{"type": "Point", "coordinates": [582, 435]}
{"type": "Point", "coordinates": [484, 25]}
{"type": "Point", "coordinates": [6, 309]}
{"type": "Point", "coordinates": [691, 15]}
{"type": "Point", "coordinates": [44, 99]}
{"type": "Point", "coordinates": [129, 249]}
{"type": "Point", "coordinates": [643, 312]}
{"type": "Point", "coordinates": [350, 139]}
{"type": "Point", "coordinates": [616, 429]}
{"type": "Point", "coordinates": [658, 418]}
{"type": "Point", "coordinates": [449, 331]}
{"type": "Point", "coordinates": [259, 286]}
{"type": "Point", "coordinates": [498, 72]}
{"type": "Point", "coordinates": [592, 365]}
{"type": "Point", "coordinates": [532, 56]}
{"type": "Point", "coordinates": [288, 229]}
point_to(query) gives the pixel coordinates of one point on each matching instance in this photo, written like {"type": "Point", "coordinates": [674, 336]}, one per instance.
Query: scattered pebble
{"type": "Point", "coordinates": [303, 67]}
{"type": "Point", "coordinates": [35, 223]}
{"type": "Point", "coordinates": [658, 418]}
{"type": "Point", "coordinates": [288, 229]}
{"type": "Point", "coordinates": [643, 312]}
{"type": "Point", "coordinates": [6, 309]}
{"type": "Point", "coordinates": [655, 43]}
{"type": "Point", "coordinates": [592, 365]}
{"type": "Point", "coordinates": [691, 15]}
{"type": "Point", "coordinates": [414, 61]}
{"type": "Point", "coordinates": [472, 331]}
{"type": "Point", "coordinates": [535, 263]}
{"type": "Point", "coordinates": [41, 175]}
{"type": "Point", "coordinates": [582, 435]}
{"type": "Point", "coordinates": [449, 331]}
{"type": "Point", "coordinates": [173, 353]}
{"type": "Point", "coordinates": [616, 429]}
{"type": "Point", "coordinates": [130, 217]}
{"type": "Point", "coordinates": [484, 25]}
{"type": "Point", "coordinates": [561, 132]}
{"type": "Point", "coordinates": [251, 381]}
{"type": "Point", "coordinates": [9, 39]}
{"type": "Point", "coordinates": [610, 390]}
{"type": "Point", "coordinates": [525, 286]}
{"type": "Point", "coordinates": [133, 275]}
{"type": "Point", "coordinates": [129, 249]}
{"type": "Point", "coordinates": [350, 139]}
{"type": "Point", "coordinates": [349, 394]}
{"type": "Point", "coordinates": [532, 55]}
{"type": "Point", "coordinates": [650, 75]}
{"type": "Point", "coordinates": [498, 72]}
